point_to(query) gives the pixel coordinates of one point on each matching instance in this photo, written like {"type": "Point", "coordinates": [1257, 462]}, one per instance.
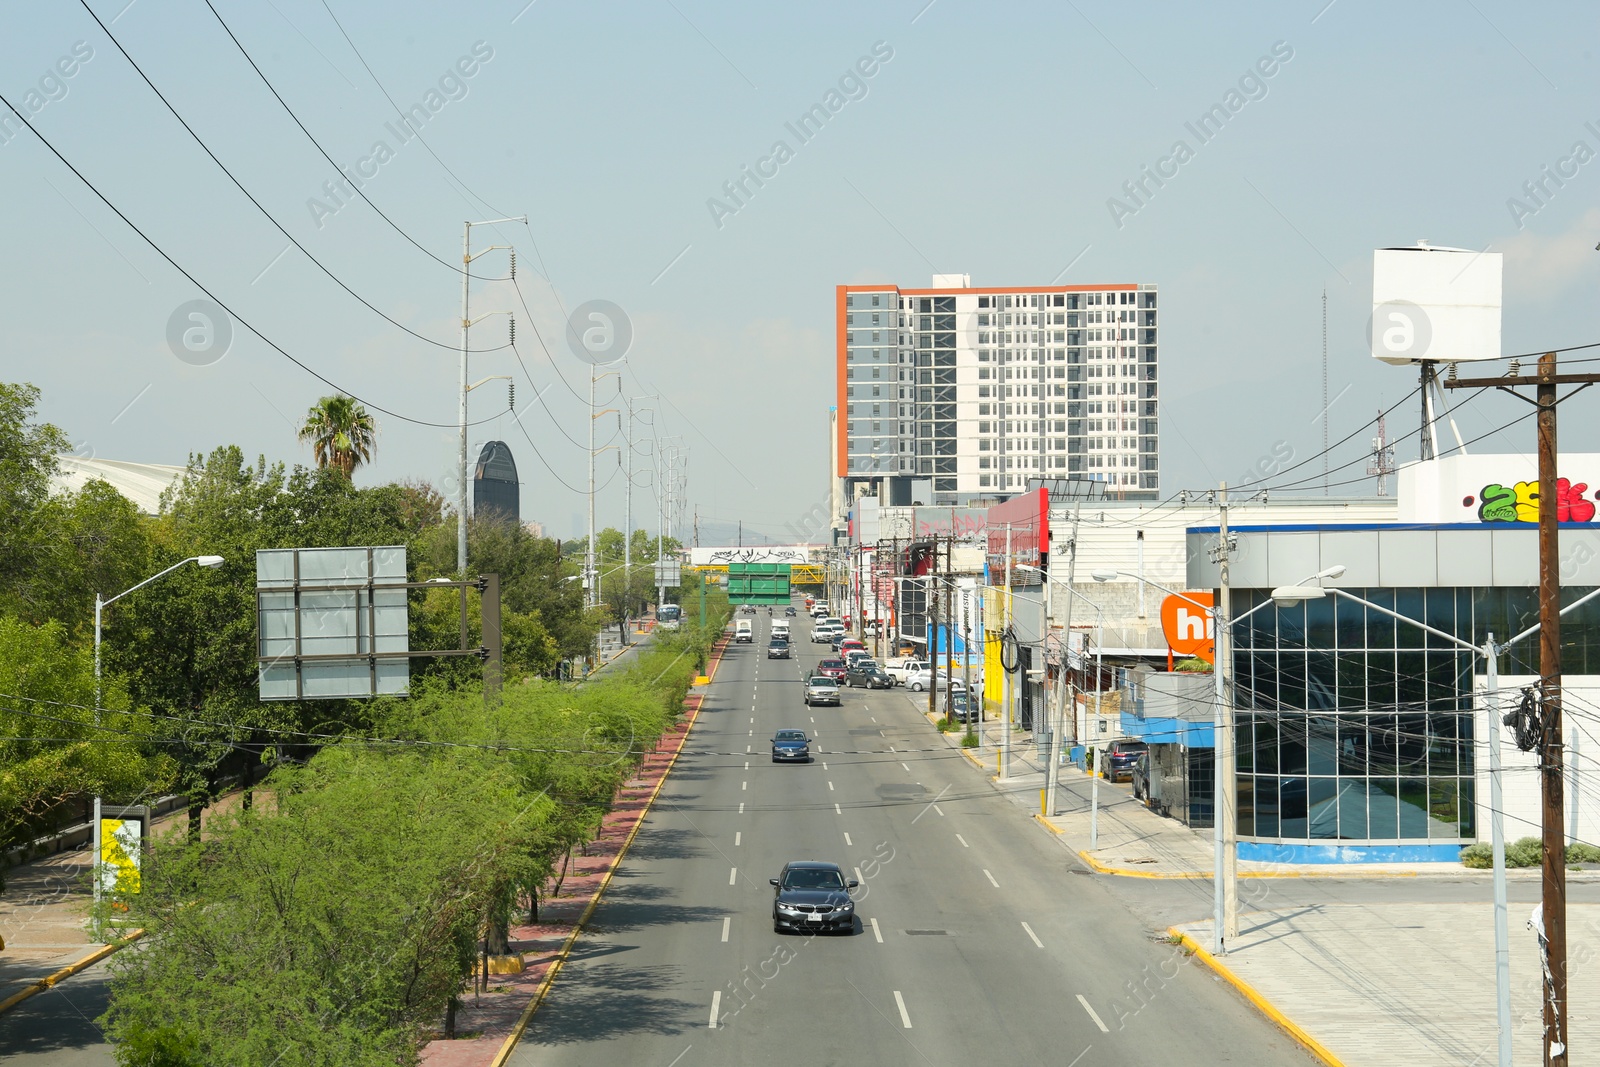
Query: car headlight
{"type": "Point", "coordinates": [788, 907]}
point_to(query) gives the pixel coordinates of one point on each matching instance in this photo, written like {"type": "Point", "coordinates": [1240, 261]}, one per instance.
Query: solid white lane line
{"type": "Point", "coordinates": [989, 876]}
{"type": "Point", "coordinates": [733, 876]}
{"type": "Point", "coordinates": [727, 923]}
{"type": "Point", "coordinates": [738, 838]}
{"type": "Point", "coordinates": [1033, 935]}
{"type": "Point", "coordinates": [836, 810]}
{"type": "Point", "coordinates": [1103, 1028]}
{"type": "Point", "coordinates": [716, 1007]}
{"type": "Point", "coordinates": [963, 841]}
{"type": "Point", "coordinates": [900, 1002]}
{"type": "Point", "coordinates": [875, 931]}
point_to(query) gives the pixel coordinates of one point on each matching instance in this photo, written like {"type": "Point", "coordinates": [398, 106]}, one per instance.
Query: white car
{"type": "Point", "coordinates": [919, 680]}
{"type": "Point", "coordinates": [902, 669]}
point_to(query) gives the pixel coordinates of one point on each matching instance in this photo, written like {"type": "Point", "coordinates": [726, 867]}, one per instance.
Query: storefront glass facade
{"type": "Point", "coordinates": [1354, 728]}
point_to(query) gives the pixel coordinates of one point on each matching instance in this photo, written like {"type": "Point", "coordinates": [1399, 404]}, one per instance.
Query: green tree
{"type": "Point", "coordinates": [28, 450]}
{"type": "Point", "coordinates": [342, 433]}
{"type": "Point", "coordinates": [55, 752]}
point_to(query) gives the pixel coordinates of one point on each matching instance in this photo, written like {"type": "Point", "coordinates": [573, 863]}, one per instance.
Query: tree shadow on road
{"type": "Point", "coordinates": [599, 1001]}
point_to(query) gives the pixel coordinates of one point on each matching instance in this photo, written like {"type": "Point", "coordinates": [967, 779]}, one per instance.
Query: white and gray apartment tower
{"type": "Point", "coordinates": [954, 394]}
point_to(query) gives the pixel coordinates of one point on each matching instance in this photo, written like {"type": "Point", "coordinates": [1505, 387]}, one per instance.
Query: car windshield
{"type": "Point", "coordinates": [812, 878]}
{"type": "Point", "coordinates": [790, 735]}
{"type": "Point", "coordinates": [819, 679]}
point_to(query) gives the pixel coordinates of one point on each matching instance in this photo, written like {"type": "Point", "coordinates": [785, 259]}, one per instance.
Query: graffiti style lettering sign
{"type": "Point", "coordinates": [1520, 502]}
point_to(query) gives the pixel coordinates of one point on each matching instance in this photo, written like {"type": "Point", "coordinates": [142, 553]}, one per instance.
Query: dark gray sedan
{"type": "Point", "coordinates": [810, 896]}
{"type": "Point", "coordinates": [791, 745]}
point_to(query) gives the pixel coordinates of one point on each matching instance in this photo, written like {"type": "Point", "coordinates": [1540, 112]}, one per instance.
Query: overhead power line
{"type": "Point", "coordinates": [330, 383]}
{"type": "Point", "coordinates": [258, 205]}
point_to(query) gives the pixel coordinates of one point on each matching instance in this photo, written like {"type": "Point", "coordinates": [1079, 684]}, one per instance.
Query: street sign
{"type": "Point", "coordinates": [332, 623]}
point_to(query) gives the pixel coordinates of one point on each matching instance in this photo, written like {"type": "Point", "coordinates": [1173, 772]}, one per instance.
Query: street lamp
{"type": "Point", "coordinates": [1224, 835]}
{"type": "Point", "coordinates": [99, 610]}
{"type": "Point", "coordinates": [1057, 722]}
{"type": "Point", "coordinates": [1288, 596]}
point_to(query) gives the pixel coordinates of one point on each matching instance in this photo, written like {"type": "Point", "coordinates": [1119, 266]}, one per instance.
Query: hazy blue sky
{"type": "Point", "coordinates": [990, 143]}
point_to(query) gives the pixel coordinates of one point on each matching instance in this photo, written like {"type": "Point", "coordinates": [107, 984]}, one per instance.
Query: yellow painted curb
{"type": "Point", "coordinates": [583, 920]}
{"type": "Point", "coordinates": [1048, 825]}
{"type": "Point", "coordinates": [67, 972]}
{"type": "Point", "coordinates": [1125, 872]}
{"type": "Point", "coordinates": [1266, 1006]}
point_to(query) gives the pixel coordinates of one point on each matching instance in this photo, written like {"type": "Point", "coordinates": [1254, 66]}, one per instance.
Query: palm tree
{"type": "Point", "coordinates": [342, 434]}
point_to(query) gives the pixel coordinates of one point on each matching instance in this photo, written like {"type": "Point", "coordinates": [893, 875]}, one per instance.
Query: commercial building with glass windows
{"type": "Point", "coordinates": [954, 394]}
{"type": "Point", "coordinates": [1363, 738]}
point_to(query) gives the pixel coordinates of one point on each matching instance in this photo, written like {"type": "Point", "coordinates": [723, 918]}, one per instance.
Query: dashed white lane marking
{"type": "Point", "coordinates": [752, 733]}
{"type": "Point", "coordinates": [874, 718]}
{"type": "Point", "coordinates": [900, 1002]}
{"type": "Point", "coordinates": [989, 876]}
{"type": "Point", "coordinates": [752, 718]}
{"type": "Point", "coordinates": [738, 838]}
{"type": "Point", "coordinates": [849, 843]}
{"type": "Point", "coordinates": [741, 807]}
{"type": "Point", "coordinates": [875, 931]}
{"type": "Point", "coordinates": [830, 786]}
{"type": "Point", "coordinates": [1092, 1015]}
{"type": "Point", "coordinates": [1033, 935]}
{"type": "Point", "coordinates": [891, 748]}
{"type": "Point", "coordinates": [727, 924]}
{"type": "Point", "coordinates": [747, 749]}
{"type": "Point", "coordinates": [813, 718]}
{"type": "Point", "coordinates": [747, 765]}
{"type": "Point", "coordinates": [937, 808]}
{"type": "Point", "coordinates": [908, 771]}
{"type": "Point", "coordinates": [836, 810]}
{"type": "Point", "coordinates": [733, 876]}
{"type": "Point", "coordinates": [744, 785]}
{"type": "Point", "coordinates": [963, 841]}
{"type": "Point", "coordinates": [824, 764]}
{"type": "Point", "coordinates": [858, 875]}
{"type": "Point", "coordinates": [716, 1007]}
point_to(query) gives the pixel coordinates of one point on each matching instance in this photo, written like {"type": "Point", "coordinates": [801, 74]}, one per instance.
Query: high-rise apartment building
{"type": "Point", "coordinates": [951, 393]}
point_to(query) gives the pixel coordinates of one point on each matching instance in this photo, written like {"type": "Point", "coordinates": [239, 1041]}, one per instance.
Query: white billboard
{"type": "Point", "coordinates": [721, 557]}
{"type": "Point", "coordinates": [1435, 304]}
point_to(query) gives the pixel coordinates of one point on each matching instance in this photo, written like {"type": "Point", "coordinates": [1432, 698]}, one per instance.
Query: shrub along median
{"type": "Point", "coordinates": [335, 922]}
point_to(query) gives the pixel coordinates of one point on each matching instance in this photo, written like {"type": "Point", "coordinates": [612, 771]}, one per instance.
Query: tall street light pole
{"type": "Point", "coordinates": [1225, 831]}
{"type": "Point", "coordinates": [466, 324]}
{"type": "Point", "coordinates": [99, 610]}
{"type": "Point", "coordinates": [1490, 653]}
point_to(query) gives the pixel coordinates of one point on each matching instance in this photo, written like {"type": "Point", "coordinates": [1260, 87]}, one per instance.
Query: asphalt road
{"type": "Point", "coordinates": [979, 937]}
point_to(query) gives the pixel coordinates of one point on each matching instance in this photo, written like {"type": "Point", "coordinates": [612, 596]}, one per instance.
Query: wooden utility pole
{"type": "Point", "coordinates": [1552, 787]}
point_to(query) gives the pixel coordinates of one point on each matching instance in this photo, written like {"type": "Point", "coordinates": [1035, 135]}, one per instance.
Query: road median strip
{"type": "Point", "coordinates": [1250, 993]}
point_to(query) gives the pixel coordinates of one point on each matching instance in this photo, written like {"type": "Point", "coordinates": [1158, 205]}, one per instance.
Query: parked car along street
{"type": "Point", "coordinates": [1120, 757]}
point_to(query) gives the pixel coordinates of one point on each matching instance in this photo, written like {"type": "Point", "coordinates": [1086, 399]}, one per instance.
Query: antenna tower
{"type": "Point", "coordinates": [1382, 464]}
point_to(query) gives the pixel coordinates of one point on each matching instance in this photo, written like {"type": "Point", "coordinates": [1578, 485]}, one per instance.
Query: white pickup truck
{"type": "Point", "coordinates": [743, 632]}
{"type": "Point", "coordinates": [902, 669]}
